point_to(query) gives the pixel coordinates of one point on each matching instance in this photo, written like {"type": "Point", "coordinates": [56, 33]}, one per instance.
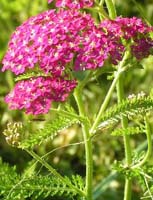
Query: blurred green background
{"type": "Point", "coordinates": [106, 148]}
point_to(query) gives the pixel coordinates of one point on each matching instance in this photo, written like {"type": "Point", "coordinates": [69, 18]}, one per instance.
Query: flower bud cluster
{"type": "Point", "coordinates": [13, 133]}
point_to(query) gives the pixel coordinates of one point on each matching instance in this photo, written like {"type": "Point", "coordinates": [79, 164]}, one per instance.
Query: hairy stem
{"type": "Point", "coordinates": [54, 172]}
{"type": "Point", "coordinates": [149, 151]}
{"type": "Point", "coordinates": [128, 156]}
{"type": "Point", "coordinates": [88, 144]}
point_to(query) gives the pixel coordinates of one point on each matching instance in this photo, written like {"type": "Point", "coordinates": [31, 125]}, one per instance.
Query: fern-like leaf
{"type": "Point", "coordinates": [8, 177]}
{"type": "Point", "coordinates": [129, 108]}
{"type": "Point", "coordinates": [77, 181]}
{"type": "Point", "coordinates": [127, 131]}
{"type": "Point", "coordinates": [20, 135]}
{"type": "Point", "coordinates": [39, 186]}
{"type": "Point", "coordinates": [50, 130]}
{"type": "Point", "coordinates": [14, 186]}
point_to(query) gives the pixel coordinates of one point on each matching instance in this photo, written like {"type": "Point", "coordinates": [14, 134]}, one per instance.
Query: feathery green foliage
{"type": "Point", "coordinates": [128, 131]}
{"type": "Point", "coordinates": [20, 136]}
{"type": "Point", "coordinates": [129, 108]}
{"type": "Point", "coordinates": [143, 175]}
{"type": "Point", "coordinates": [35, 186]}
{"type": "Point", "coordinates": [50, 130]}
{"type": "Point", "coordinates": [8, 177]}
{"type": "Point", "coordinates": [78, 182]}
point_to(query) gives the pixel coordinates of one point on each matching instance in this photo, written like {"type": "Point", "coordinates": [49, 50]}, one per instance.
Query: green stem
{"type": "Point", "coordinates": [109, 94]}
{"type": "Point", "coordinates": [105, 103]}
{"type": "Point", "coordinates": [128, 154]}
{"type": "Point", "coordinates": [88, 144]}
{"type": "Point", "coordinates": [105, 183]}
{"type": "Point", "coordinates": [101, 2]}
{"type": "Point", "coordinates": [111, 9]}
{"type": "Point", "coordinates": [54, 172]}
{"type": "Point", "coordinates": [149, 150]}
{"type": "Point", "coordinates": [98, 9]}
{"type": "Point", "coordinates": [120, 94]}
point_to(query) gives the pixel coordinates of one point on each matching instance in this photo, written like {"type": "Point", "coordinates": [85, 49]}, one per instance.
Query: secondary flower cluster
{"type": "Point", "coordinates": [134, 32]}
{"type": "Point", "coordinates": [58, 42]}
{"type": "Point", "coordinates": [37, 94]}
{"type": "Point", "coordinates": [73, 4]}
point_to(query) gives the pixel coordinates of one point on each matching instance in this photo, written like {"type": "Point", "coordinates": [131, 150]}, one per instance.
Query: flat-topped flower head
{"type": "Point", "coordinates": [54, 41]}
{"type": "Point", "coordinates": [48, 40]}
{"type": "Point", "coordinates": [57, 43]}
{"type": "Point", "coordinates": [36, 94]}
{"type": "Point", "coordinates": [73, 4]}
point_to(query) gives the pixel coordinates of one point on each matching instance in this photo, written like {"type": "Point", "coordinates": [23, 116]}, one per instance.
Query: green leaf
{"type": "Point", "coordinates": [101, 189]}
{"type": "Point", "coordinates": [138, 105]}
{"type": "Point", "coordinates": [8, 177]}
{"type": "Point", "coordinates": [104, 184]}
{"type": "Point", "coordinates": [128, 131]}
{"type": "Point", "coordinates": [50, 130]}
{"type": "Point", "coordinates": [78, 182]}
{"type": "Point", "coordinates": [14, 186]}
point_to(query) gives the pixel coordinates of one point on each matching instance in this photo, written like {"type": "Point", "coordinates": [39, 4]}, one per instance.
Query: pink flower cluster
{"type": "Point", "coordinates": [37, 94]}
{"type": "Point", "coordinates": [126, 28]}
{"type": "Point", "coordinates": [142, 48]}
{"type": "Point", "coordinates": [73, 4]}
{"type": "Point", "coordinates": [50, 40]}
{"type": "Point", "coordinates": [58, 42]}
{"type": "Point", "coordinates": [134, 32]}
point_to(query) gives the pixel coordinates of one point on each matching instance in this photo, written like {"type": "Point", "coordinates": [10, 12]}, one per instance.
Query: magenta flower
{"type": "Point", "coordinates": [126, 28]}
{"type": "Point", "coordinates": [36, 94]}
{"type": "Point", "coordinates": [49, 40]}
{"type": "Point", "coordinates": [142, 48]}
{"type": "Point", "coordinates": [63, 41]}
{"type": "Point", "coordinates": [73, 4]}
{"type": "Point", "coordinates": [52, 40]}
{"type": "Point", "coordinates": [134, 32]}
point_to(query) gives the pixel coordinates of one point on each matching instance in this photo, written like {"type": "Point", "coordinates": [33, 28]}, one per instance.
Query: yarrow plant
{"type": "Point", "coordinates": [48, 51]}
{"type": "Point", "coordinates": [58, 42]}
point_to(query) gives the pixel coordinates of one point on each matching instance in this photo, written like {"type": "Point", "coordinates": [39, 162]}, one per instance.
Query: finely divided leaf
{"type": "Point", "coordinates": [127, 131]}
{"type": "Point", "coordinates": [14, 186]}
{"type": "Point", "coordinates": [50, 130]}
{"type": "Point", "coordinates": [129, 108]}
